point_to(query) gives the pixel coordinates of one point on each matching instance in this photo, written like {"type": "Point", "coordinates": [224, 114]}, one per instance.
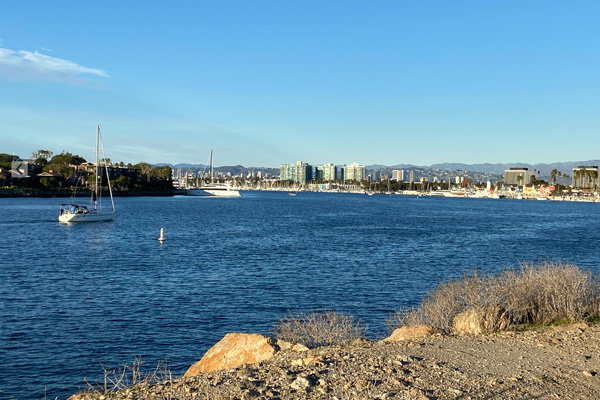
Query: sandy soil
{"type": "Point", "coordinates": [547, 363]}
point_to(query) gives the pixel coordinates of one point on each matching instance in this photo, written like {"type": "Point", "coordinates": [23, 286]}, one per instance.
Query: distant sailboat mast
{"type": "Point", "coordinates": [95, 194]}
{"type": "Point", "coordinates": [211, 168]}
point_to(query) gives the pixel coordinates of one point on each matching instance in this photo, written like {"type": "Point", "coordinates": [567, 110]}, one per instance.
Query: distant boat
{"type": "Point", "coordinates": [93, 213]}
{"type": "Point", "coordinates": [214, 189]}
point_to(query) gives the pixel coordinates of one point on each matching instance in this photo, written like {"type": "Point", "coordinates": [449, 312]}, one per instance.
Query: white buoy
{"type": "Point", "coordinates": [161, 238]}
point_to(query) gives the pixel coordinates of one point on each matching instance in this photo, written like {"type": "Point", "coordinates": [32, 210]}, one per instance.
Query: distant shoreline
{"type": "Point", "coordinates": [56, 192]}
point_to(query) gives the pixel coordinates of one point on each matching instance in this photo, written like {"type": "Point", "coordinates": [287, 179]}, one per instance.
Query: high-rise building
{"type": "Point", "coordinates": [411, 176]}
{"type": "Point", "coordinates": [586, 177]}
{"type": "Point", "coordinates": [398, 175]}
{"type": "Point", "coordinates": [353, 172]}
{"type": "Point", "coordinates": [517, 176]}
{"type": "Point", "coordinates": [297, 173]}
{"type": "Point", "coordinates": [326, 172]}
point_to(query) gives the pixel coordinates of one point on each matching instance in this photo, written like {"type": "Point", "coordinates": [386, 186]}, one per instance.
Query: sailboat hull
{"type": "Point", "coordinates": [86, 218]}
{"type": "Point", "coordinates": [215, 191]}
{"type": "Point", "coordinates": [74, 213]}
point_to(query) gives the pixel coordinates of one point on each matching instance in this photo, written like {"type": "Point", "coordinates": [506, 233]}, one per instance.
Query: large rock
{"type": "Point", "coordinates": [478, 321]}
{"type": "Point", "coordinates": [410, 332]}
{"type": "Point", "coordinates": [233, 350]}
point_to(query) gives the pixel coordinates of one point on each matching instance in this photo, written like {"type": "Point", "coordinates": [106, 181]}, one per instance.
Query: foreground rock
{"type": "Point", "coordinates": [234, 350]}
{"type": "Point", "coordinates": [551, 363]}
{"type": "Point", "coordinates": [476, 322]}
{"type": "Point", "coordinates": [410, 332]}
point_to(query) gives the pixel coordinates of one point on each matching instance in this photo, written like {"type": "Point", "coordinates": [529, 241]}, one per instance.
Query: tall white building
{"type": "Point", "coordinates": [297, 173]}
{"type": "Point", "coordinates": [326, 172]}
{"type": "Point", "coordinates": [586, 177]}
{"type": "Point", "coordinates": [517, 176]}
{"type": "Point", "coordinates": [398, 175]}
{"type": "Point", "coordinates": [353, 172]}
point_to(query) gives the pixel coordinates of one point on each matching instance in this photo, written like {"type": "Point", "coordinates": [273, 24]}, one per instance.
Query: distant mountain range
{"type": "Point", "coordinates": [487, 168]}
{"type": "Point", "coordinates": [544, 169]}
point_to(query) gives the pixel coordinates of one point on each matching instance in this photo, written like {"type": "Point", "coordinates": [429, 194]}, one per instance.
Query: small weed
{"type": "Point", "coordinates": [593, 320]}
{"type": "Point", "coordinates": [130, 375]}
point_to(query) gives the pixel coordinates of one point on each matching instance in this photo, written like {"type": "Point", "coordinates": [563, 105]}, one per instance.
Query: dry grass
{"type": "Point", "coordinates": [320, 328]}
{"type": "Point", "coordinates": [531, 294]}
{"type": "Point", "coordinates": [549, 292]}
{"type": "Point", "coordinates": [130, 375]}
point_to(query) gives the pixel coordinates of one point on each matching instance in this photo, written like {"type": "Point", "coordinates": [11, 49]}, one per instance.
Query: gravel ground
{"type": "Point", "coordinates": [547, 363]}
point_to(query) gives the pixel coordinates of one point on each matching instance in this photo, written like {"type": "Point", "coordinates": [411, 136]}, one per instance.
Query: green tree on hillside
{"type": "Point", "coordinates": [7, 159]}
{"type": "Point", "coordinates": [123, 182]}
{"type": "Point", "coordinates": [41, 157]}
{"type": "Point", "coordinates": [145, 170]}
{"type": "Point", "coordinates": [66, 158]}
{"type": "Point", "coordinates": [61, 164]}
{"type": "Point", "coordinates": [165, 172]}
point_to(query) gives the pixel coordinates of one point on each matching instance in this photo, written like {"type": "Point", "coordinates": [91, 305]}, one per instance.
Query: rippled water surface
{"type": "Point", "coordinates": [75, 296]}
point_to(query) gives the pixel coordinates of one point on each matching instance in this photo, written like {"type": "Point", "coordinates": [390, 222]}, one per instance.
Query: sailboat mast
{"type": "Point", "coordinates": [211, 168]}
{"type": "Point", "coordinates": [97, 167]}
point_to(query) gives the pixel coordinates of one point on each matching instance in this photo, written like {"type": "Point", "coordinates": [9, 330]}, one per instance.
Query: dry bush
{"type": "Point", "coordinates": [531, 294]}
{"type": "Point", "coordinates": [131, 375]}
{"type": "Point", "coordinates": [549, 292]}
{"type": "Point", "coordinates": [441, 304]}
{"type": "Point", "coordinates": [319, 328]}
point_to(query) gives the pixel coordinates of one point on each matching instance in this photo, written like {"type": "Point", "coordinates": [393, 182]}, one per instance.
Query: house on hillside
{"type": "Point", "coordinates": [52, 177]}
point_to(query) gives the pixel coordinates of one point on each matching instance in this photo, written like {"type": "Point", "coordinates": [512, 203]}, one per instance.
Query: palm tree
{"type": "Point", "coordinates": [553, 174]}
{"type": "Point", "coordinates": [593, 174]}
{"type": "Point", "coordinates": [580, 174]}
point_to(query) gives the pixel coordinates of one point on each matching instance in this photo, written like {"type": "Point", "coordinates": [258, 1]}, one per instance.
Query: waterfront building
{"type": "Point", "coordinates": [517, 176]}
{"type": "Point", "coordinates": [585, 177]}
{"type": "Point", "coordinates": [326, 172]}
{"type": "Point", "coordinates": [375, 176]}
{"type": "Point", "coordinates": [298, 173]}
{"type": "Point", "coordinates": [398, 175]}
{"type": "Point", "coordinates": [353, 172]}
{"type": "Point", "coordinates": [411, 176]}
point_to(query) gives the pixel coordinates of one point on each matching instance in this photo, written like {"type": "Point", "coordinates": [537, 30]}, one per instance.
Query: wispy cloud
{"type": "Point", "coordinates": [21, 65]}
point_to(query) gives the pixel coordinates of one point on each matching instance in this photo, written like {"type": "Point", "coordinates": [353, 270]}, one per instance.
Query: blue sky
{"type": "Point", "coordinates": [270, 82]}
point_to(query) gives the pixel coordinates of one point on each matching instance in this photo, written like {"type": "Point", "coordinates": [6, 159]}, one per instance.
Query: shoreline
{"type": "Point", "coordinates": [68, 193]}
{"type": "Point", "coordinates": [543, 363]}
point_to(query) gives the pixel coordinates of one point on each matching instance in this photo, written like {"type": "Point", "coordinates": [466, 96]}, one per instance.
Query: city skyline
{"type": "Point", "coordinates": [266, 83]}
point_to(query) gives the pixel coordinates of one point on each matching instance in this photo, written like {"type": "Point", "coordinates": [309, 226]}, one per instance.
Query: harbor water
{"type": "Point", "coordinates": [75, 299]}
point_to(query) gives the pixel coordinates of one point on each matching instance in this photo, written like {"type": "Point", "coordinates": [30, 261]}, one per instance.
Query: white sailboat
{"type": "Point", "coordinates": [214, 189]}
{"type": "Point", "coordinates": [94, 213]}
